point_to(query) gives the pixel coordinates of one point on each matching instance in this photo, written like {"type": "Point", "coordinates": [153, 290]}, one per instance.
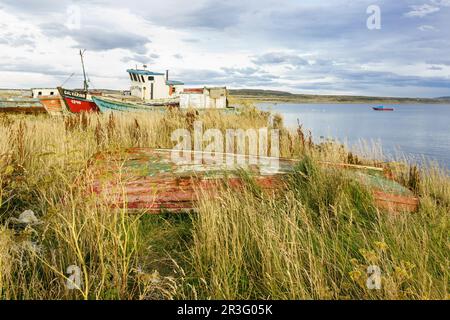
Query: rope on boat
{"type": "Point", "coordinates": [70, 77]}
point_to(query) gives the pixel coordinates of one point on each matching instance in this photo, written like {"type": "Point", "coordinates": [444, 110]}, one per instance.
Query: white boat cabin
{"type": "Point", "coordinates": [148, 85]}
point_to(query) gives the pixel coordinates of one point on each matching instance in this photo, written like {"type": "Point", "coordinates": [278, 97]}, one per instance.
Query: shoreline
{"type": "Point", "coordinates": [330, 101]}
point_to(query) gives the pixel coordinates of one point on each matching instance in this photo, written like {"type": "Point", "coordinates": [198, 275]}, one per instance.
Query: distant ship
{"type": "Point", "coordinates": [383, 108]}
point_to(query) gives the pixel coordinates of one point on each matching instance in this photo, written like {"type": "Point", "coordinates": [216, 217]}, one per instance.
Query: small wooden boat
{"type": "Point", "coordinates": [22, 105]}
{"type": "Point", "coordinates": [148, 179]}
{"type": "Point", "coordinates": [383, 108]}
{"type": "Point", "coordinates": [53, 104]}
{"type": "Point", "coordinates": [128, 104]}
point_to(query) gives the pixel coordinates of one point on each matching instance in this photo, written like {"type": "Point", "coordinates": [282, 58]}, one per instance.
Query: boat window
{"type": "Point", "coordinates": [142, 77]}
{"type": "Point", "coordinates": [131, 77]}
{"type": "Point", "coordinates": [40, 93]}
{"type": "Point", "coordinates": [51, 93]}
{"type": "Point", "coordinates": [151, 78]}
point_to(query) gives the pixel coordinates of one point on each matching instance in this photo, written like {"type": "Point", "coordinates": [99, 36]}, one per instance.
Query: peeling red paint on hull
{"type": "Point", "coordinates": [52, 104]}
{"type": "Point", "coordinates": [172, 195]}
{"type": "Point", "coordinates": [147, 179]}
{"type": "Point", "coordinates": [77, 106]}
{"type": "Point", "coordinates": [77, 101]}
{"type": "Point", "coordinates": [395, 203]}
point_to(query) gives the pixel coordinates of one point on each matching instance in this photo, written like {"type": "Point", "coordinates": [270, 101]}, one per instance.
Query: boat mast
{"type": "Point", "coordinates": [86, 86]}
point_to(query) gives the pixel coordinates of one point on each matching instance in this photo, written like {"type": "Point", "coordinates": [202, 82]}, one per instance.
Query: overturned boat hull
{"type": "Point", "coordinates": [149, 179]}
{"type": "Point", "coordinates": [22, 105]}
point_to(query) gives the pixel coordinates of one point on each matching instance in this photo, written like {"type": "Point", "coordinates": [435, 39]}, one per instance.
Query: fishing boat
{"type": "Point", "coordinates": [22, 105]}
{"type": "Point", "coordinates": [78, 101]}
{"type": "Point", "coordinates": [131, 104]}
{"type": "Point", "coordinates": [148, 179]}
{"type": "Point", "coordinates": [382, 108]}
{"type": "Point", "coordinates": [116, 103]}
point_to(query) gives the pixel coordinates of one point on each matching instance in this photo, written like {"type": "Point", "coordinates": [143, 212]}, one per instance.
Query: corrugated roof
{"type": "Point", "coordinates": [144, 72]}
{"type": "Point", "coordinates": [174, 83]}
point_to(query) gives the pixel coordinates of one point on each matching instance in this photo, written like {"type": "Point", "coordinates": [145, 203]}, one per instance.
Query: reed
{"type": "Point", "coordinates": [315, 241]}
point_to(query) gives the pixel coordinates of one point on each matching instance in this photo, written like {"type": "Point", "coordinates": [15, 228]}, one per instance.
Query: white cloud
{"type": "Point", "coordinates": [421, 10]}
{"type": "Point", "coordinates": [443, 3]}
{"type": "Point", "coordinates": [301, 46]}
{"type": "Point", "coordinates": [426, 27]}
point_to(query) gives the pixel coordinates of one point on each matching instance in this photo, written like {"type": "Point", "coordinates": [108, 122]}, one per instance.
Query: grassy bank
{"type": "Point", "coordinates": [314, 241]}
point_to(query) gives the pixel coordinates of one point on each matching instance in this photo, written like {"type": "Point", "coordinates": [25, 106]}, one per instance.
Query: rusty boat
{"type": "Point", "coordinates": [24, 105]}
{"type": "Point", "coordinates": [149, 180]}
{"type": "Point", "coordinates": [53, 104]}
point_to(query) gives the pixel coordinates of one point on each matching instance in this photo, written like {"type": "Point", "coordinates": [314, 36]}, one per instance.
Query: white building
{"type": "Point", "coordinates": [204, 98]}
{"type": "Point", "coordinates": [148, 85]}
{"type": "Point", "coordinates": [44, 92]}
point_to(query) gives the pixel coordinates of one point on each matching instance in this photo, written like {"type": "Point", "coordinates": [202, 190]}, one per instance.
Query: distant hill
{"type": "Point", "coordinates": [257, 92]}
{"type": "Point", "coordinates": [282, 96]}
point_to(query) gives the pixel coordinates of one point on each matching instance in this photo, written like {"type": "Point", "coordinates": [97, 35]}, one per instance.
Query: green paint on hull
{"type": "Point", "coordinates": [109, 105]}
{"type": "Point", "coordinates": [112, 105]}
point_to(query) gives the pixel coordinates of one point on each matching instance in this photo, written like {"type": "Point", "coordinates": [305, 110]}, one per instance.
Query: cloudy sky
{"type": "Point", "coordinates": [302, 46]}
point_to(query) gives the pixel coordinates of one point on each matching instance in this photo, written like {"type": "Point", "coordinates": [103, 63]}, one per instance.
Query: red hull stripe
{"type": "Point", "coordinates": [79, 105]}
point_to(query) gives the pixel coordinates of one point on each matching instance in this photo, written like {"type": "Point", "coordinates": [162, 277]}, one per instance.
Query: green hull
{"type": "Point", "coordinates": [111, 105]}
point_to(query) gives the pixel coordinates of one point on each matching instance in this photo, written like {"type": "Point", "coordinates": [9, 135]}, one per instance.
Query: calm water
{"type": "Point", "coordinates": [416, 131]}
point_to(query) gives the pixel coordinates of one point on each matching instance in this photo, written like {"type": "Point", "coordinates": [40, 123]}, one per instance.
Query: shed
{"type": "Point", "coordinates": [204, 98]}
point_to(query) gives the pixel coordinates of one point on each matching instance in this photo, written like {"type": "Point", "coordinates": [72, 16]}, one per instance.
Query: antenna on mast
{"type": "Point", "coordinates": [86, 86]}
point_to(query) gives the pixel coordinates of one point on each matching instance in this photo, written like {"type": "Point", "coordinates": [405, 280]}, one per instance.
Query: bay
{"type": "Point", "coordinates": [416, 131]}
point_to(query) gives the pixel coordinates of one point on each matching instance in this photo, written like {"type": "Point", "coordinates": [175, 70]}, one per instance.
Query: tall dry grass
{"type": "Point", "coordinates": [313, 241]}
{"type": "Point", "coordinates": [43, 167]}
{"type": "Point", "coordinates": [317, 240]}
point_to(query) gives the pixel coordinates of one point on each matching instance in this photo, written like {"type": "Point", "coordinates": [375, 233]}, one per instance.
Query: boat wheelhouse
{"type": "Point", "coordinates": [148, 85]}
